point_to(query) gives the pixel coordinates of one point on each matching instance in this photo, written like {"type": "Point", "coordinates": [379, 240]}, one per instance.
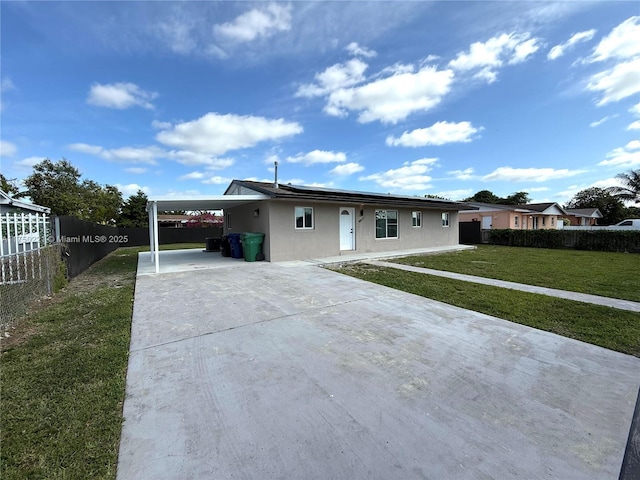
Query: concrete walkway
{"type": "Point", "coordinates": [284, 371]}
{"type": "Point", "coordinates": [579, 297]}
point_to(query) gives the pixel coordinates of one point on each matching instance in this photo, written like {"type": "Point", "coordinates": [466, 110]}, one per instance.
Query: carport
{"type": "Point", "coordinates": [191, 203]}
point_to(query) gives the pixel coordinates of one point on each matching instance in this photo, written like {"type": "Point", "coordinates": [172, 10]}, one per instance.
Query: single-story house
{"type": "Point", "coordinates": [23, 225]}
{"type": "Point", "coordinates": [531, 216]}
{"type": "Point", "coordinates": [583, 216]}
{"type": "Point", "coordinates": [301, 222]}
{"type": "Point", "coordinates": [9, 204]}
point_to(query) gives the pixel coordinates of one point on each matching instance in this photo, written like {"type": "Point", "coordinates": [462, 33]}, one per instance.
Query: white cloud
{"type": "Point", "coordinates": [487, 56]}
{"type": "Point", "coordinates": [192, 176]}
{"type": "Point", "coordinates": [194, 158]}
{"type": "Point", "coordinates": [259, 22]}
{"type": "Point", "coordinates": [217, 180]}
{"type": "Point", "coordinates": [178, 34]}
{"type": "Point", "coordinates": [524, 50]}
{"type": "Point", "coordinates": [120, 96]}
{"type": "Point", "coordinates": [621, 43]}
{"type": "Point", "coordinates": [158, 125]}
{"type": "Point", "coordinates": [508, 174]}
{"type": "Point", "coordinates": [635, 110]}
{"type": "Point", "coordinates": [411, 176]}
{"type": "Point", "coordinates": [559, 50]}
{"type": "Point", "coordinates": [627, 156]}
{"type": "Point", "coordinates": [602, 120]}
{"type": "Point", "coordinates": [29, 162]}
{"type": "Point", "coordinates": [136, 170]}
{"type": "Point", "coordinates": [333, 78]}
{"type": "Point", "coordinates": [131, 189]}
{"type": "Point", "coordinates": [455, 194]}
{"type": "Point", "coordinates": [215, 134]}
{"type": "Point", "coordinates": [439, 133]}
{"type": "Point", "coordinates": [466, 174]}
{"type": "Point", "coordinates": [356, 50]}
{"type": "Point", "coordinates": [6, 84]}
{"type": "Point", "coordinates": [7, 149]}
{"type": "Point", "coordinates": [347, 169]}
{"type": "Point", "coordinates": [124, 154]}
{"type": "Point", "coordinates": [621, 81]}
{"type": "Point", "coordinates": [318, 156]}
{"type": "Point", "coordinates": [392, 98]}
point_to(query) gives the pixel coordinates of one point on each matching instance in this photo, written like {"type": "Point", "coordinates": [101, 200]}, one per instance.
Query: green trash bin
{"type": "Point", "coordinates": [252, 246]}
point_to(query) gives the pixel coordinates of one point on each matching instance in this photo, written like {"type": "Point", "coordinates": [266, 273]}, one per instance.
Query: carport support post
{"type": "Point", "coordinates": [153, 235]}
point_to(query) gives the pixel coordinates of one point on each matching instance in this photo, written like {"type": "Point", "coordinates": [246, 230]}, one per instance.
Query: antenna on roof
{"type": "Point", "coordinates": [275, 183]}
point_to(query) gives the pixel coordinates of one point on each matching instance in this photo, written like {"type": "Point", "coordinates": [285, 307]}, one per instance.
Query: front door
{"type": "Point", "coordinates": [347, 230]}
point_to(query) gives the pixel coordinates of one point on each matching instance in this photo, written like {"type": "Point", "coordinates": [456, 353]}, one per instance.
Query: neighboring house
{"type": "Point", "coordinates": [583, 217]}
{"type": "Point", "coordinates": [23, 226]}
{"type": "Point", "coordinates": [309, 222]}
{"type": "Point", "coordinates": [531, 216]}
{"type": "Point", "coordinates": [173, 221]}
{"type": "Point", "coordinates": [12, 205]}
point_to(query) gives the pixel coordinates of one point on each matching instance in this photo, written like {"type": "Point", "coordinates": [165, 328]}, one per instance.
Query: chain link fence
{"type": "Point", "coordinates": [26, 277]}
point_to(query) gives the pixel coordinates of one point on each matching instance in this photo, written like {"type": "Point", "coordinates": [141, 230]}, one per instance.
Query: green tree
{"type": "Point", "coordinates": [630, 189]}
{"type": "Point", "coordinates": [100, 204]}
{"type": "Point", "coordinates": [518, 198]}
{"type": "Point", "coordinates": [134, 211]}
{"type": "Point", "coordinates": [58, 186]}
{"type": "Point", "coordinates": [611, 207]}
{"type": "Point", "coordinates": [55, 185]}
{"type": "Point", "coordinates": [483, 196]}
{"type": "Point", "coordinates": [8, 186]}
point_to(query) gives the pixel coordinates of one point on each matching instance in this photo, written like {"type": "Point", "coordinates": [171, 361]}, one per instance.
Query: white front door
{"type": "Point", "coordinates": [486, 222]}
{"type": "Point", "coordinates": [347, 228]}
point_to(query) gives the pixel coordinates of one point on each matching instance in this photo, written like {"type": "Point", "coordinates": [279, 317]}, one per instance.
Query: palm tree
{"type": "Point", "coordinates": [630, 189]}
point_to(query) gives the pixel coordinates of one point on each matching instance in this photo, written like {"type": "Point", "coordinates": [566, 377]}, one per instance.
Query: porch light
{"type": "Point", "coordinates": [256, 212]}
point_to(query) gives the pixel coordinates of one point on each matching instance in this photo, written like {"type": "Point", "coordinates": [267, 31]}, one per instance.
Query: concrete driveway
{"type": "Point", "coordinates": [290, 371]}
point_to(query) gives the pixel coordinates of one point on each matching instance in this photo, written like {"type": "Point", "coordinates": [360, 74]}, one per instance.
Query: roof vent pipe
{"type": "Point", "coordinates": [275, 183]}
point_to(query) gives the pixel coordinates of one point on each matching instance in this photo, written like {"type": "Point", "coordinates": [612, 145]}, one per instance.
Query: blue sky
{"type": "Point", "coordinates": [408, 97]}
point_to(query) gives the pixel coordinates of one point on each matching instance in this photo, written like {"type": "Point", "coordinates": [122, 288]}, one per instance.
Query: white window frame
{"type": "Point", "coordinates": [515, 221]}
{"type": "Point", "coordinates": [445, 220]}
{"type": "Point", "coordinates": [416, 219]}
{"type": "Point", "coordinates": [304, 217]}
{"type": "Point", "coordinates": [386, 229]}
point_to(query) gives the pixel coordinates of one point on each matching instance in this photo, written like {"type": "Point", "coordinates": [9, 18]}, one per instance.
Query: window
{"type": "Point", "coordinates": [552, 219]}
{"type": "Point", "coordinates": [386, 224]}
{"type": "Point", "coordinates": [304, 217]}
{"type": "Point", "coordinates": [416, 219]}
{"type": "Point", "coordinates": [228, 220]}
{"type": "Point", "coordinates": [515, 221]}
{"type": "Point", "coordinates": [445, 219]}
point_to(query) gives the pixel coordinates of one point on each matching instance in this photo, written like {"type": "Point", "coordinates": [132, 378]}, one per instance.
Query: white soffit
{"type": "Point", "coordinates": [203, 202]}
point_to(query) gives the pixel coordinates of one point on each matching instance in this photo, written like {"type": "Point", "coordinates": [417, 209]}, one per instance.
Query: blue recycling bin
{"type": "Point", "coordinates": [235, 245]}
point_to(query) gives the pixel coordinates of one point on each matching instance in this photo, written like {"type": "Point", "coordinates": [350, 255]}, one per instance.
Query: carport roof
{"type": "Point", "coordinates": [202, 202]}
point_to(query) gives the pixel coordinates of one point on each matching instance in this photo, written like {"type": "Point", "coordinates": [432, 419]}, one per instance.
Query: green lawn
{"type": "Point", "coordinates": [615, 275]}
{"type": "Point", "coordinates": [63, 377]}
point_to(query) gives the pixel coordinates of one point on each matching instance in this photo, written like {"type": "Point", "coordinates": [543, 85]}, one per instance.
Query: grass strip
{"type": "Point", "coordinates": [604, 326]}
{"type": "Point", "coordinates": [63, 377]}
{"type": "Point", "coordinates": [607, 274]}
